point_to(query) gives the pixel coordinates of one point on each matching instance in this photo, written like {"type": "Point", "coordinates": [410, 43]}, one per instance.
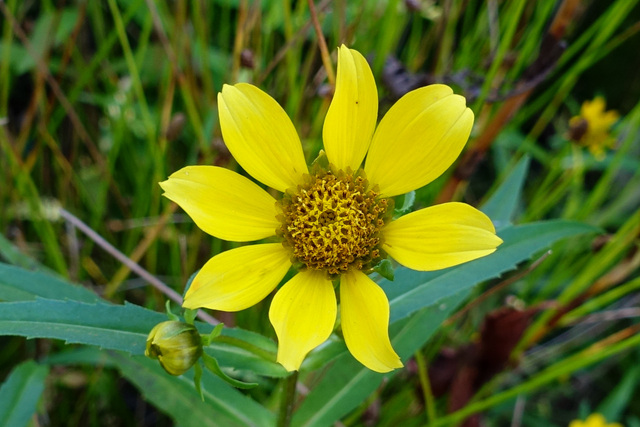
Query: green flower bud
{"type": "Point", "coordinates": [176, 345]}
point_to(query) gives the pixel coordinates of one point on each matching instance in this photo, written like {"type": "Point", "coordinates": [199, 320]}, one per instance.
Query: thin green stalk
{"type": "Point", "coordinates": [625, 202]}
{"type": "Point", "coordinates": [143, 40]}
{"type": "Point", "coordinates": [512, 18]}
{"type": "Point", "coordinates": [531, 40]}
{"type": "Point", "coordinates": [552, 198]}
{"type": "Point", "coordinates": [7, 38]}
{"type": "Point", "coordinates": [600, 301]}
{"type": "Point", "coordinates": [196, 122]}
{"type": "Point", "coordinates": [574, 203]}
{"type": "Point", "coordinates": [474, 36]}
{"type": "Point", "coordinates": [288, 399]}
{"type": "Point", "coordinates": [97, 20]}
{"type": "Point", "coordinates": [292, 63]}
{"type": "Point", "coordinates": [133, 70]}
{"type": "Point", "coordinates": [388, 36]}
{"type": "Point", "coordinates": [200, 25]}
{"type": "Point", "coordinates": [423, 374]}
{"type": "Point", "coordinates": [413, 45]}
{"type": "Point", "coordinates": [445, 46]}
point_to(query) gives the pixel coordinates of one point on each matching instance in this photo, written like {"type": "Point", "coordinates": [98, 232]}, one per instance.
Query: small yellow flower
{"type": "Point", "coordinates": [330, 224]}
{"type": "Point", "coordinates": [593, 420]}
{"type": "Point", "coordinates": [591, 127]}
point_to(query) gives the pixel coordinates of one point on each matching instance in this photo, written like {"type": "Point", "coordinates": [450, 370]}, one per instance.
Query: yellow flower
{"type": "Point", "coordinates": [591, 127]}
{"type": "Point", "coordinates": [593, 420]}
{"type": "Point", "coordinates": [330, 224]}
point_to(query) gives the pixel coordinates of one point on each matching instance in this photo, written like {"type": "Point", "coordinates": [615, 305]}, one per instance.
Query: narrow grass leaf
{"type": "Point", "coordinates": [613, 407]}
{"type": "Point", "coordinates": [18, 284]}
{"type": "Point", "coordinates": [501, 206]}
{"type": "Point", "coordinates": [11, 254]}
{"type": "Point", "coordinates": [20, 393]}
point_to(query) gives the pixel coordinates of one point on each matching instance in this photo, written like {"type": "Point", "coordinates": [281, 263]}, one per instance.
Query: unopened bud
{"type": "Point", "coordinates": [176, 345]}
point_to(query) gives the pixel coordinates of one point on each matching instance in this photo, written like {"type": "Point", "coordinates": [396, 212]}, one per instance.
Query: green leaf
{"type": "Point", "coordinates": [501, 206]}
{"type": "Point", "coordinates": [177, 396]}
{"type": "Point", "coordinates": [258, 355]}
{"type": "Point", "coordinates": [117, 327]}
{"type": "Point", "coordinates": [190, 315]}
{"type": "Point", "coordinates": [12, 254]}
{"type": "Point", "coordinates": [412, 290]}
{"type": "Point", "coordinates": [613, 407]}
{"type": "Point", "coordinates": [66, 22]}
{"type": "Point", "coordinates": [408, 200]}
{"type": "Point", "coordinates": [18, 284]}
{"type": "Point", "coordinates": [215, 332]}
{"type": "Point", "coordinates": [197, 379]}
{"type": "Point", "coordinates": [189, 282]}
{"type": "Point", "coordinates": [212, 365]}
{"type": "Point", "coordinates": [170, 314]}
{"type": "Point", "coordinates": [20, 393]}
{"type": "Point", "coordinates": [385, 269]}
{"type": "Point", "coordinates": [347, 383]}
{"type": "Point", "coordinates": [125, 328]}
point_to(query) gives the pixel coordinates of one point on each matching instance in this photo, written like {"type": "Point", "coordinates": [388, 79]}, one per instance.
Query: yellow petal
{"type": "Point", "coordinates": [238, 278]}
{"type": "Point", "coordinates": [440, 236]}
{"type": "Point", "coordinates": [261, 136]}
{"type": "Point", "coordinates": [596, 420]}
{"type": "Point", "coordinates": [223, 203]}
{"type": "Point", "coordinates": [352, 116]}
{"type": "Point", "coordinates": [418, 139]}
{"type": "Point", "coordinates": [303, 313]}
{"type": "Point", "coordinates": [593, 109]}
{"type": "Point", "coordinates": [364, 310]}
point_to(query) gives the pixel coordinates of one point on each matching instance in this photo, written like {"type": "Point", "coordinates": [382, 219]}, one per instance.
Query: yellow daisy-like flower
{"type": "Point", "coordinates": [591, 127]}
{"type": "Point", "coordinates": [593, 420]}
{"type": "Point", "coordinates": [330, 224]}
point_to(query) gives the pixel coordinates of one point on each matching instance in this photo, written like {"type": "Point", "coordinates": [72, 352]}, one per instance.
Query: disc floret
{"type": "Point", "coordinates": [332, 221]}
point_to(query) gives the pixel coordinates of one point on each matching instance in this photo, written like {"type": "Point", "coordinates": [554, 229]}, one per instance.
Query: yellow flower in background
{"type": "Point", "coordinates": [330, 224]}
{"type": "Point", "coordinates": [593, 420]}
{"type": "Point", "coordinates": [591, 127]}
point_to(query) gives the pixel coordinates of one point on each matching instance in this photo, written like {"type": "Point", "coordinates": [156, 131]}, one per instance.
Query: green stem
{"type": "Point", "coordinates": [423, 374]}
{"type": "Point", "coordinates": [288, 398]}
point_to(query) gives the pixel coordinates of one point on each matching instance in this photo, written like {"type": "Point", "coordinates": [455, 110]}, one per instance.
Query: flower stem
{"type": "Point", "coordinates": [288, 398]}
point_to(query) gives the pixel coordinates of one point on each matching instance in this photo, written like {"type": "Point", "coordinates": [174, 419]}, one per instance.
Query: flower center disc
{"type": "Point", "coordinates": [332, 222]}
